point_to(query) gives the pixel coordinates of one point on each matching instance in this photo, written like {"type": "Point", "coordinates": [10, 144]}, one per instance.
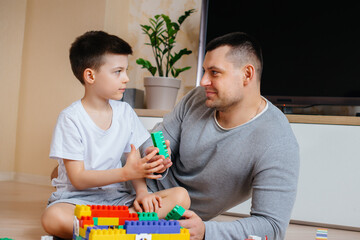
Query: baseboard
{"type": "Point", "coordinates": [25, 178]}
{"type": "Point", "coordinates": [7, 176]}
{"type": "Point", "coordinates": [306, 223]}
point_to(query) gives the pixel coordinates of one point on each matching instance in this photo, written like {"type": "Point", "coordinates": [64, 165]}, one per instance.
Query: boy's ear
{"type": "Point", "coordinates": [89, 76]}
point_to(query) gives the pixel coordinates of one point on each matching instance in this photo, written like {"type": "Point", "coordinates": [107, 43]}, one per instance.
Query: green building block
{"type": "Point", "coordinates": [159, 142]}
{"type": "Point", "coordinates": [148, 216]}
{"type": "Point", "coordinates": [176, 213]}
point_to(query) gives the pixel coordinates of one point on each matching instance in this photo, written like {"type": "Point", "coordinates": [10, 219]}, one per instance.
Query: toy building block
{"type": "Point", "coordinates": [321, 234]}
{"type": "Point", "coordinates": [109, 211]}
{"type": "Point", "coordinates": [254, 237]}
{"type": "Point", "coordinates": [161, 226]}
{"type": "Point", "coordinates": [110, 234]}
{"type": "Point", "coordinates": [88, 220]}
{"type": "Point", "coordinates": [159, 142]}
{"type": "Point", "coordinates": [184, 235]}
{"type": "Point", "coordinates": [176, 213]}
{"type": "Point", "coordinates": [82, 210]}
{"type": "Point", "coordinates": [105, 221]}
{"type": "Point", "coordinates": [148, 216]}
{"type": "Point", "coordinates": [129, 217]}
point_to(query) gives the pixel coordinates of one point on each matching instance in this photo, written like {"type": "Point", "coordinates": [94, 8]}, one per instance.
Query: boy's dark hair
{"type": "Point", "coordinates": [243, 47]}
{"type": "Point", "coordinates": [87, 51]}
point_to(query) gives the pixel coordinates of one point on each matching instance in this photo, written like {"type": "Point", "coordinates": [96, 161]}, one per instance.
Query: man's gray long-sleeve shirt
{"type": "Point", "coordinates": [221, 168]}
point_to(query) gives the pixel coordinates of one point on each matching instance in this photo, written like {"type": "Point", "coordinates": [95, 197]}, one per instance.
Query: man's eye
{"type": "Point", "coordinates": [214, 72]}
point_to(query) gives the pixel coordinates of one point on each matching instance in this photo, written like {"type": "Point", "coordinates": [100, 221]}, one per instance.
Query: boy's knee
{"type": "Point", "coordinates": [54, 220]}
{"type": "Point", "coordinates": [48, 219]}
{"type": "Point", "coordinates": [184, 197]}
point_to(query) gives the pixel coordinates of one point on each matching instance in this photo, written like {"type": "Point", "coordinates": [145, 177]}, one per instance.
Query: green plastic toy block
{"type": "Point", "coordinates": [159, 142]}
{"type": "Point", "coordinates": [148, 216]}
{"type": "Point", "coordinates": [176, 213]}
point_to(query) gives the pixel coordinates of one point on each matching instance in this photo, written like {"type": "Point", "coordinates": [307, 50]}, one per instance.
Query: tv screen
{"type": "Point", "coordinates": [311, 49]}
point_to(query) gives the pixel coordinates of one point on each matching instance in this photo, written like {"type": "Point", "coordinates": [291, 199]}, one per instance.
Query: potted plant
{"type": "Point", "coordinates": [161, 90]}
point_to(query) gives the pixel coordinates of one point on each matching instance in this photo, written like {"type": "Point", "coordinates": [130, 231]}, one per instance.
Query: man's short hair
{"type": "Point", "coordinates": [87, 51]}
{"type": "Point", "coordinates": [244, 49]}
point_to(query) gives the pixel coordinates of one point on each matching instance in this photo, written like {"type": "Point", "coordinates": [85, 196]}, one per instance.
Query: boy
{"type": "Point", "coordinates": [92, 134]}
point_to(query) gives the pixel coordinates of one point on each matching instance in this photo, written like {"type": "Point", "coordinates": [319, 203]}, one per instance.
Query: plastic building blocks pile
{"type": "Point", "coordinates": [95, 222]}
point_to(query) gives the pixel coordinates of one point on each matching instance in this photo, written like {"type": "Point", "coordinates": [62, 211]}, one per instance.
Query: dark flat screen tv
{"type": "Point", "coordinates": [311, 49]}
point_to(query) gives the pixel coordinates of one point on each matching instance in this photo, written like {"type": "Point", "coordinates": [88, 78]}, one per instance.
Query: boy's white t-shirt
{"type": "Point", "coordinates": [77, 137]}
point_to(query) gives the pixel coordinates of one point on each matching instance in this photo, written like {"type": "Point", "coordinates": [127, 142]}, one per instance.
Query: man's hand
{"type": "Point", "coordinates": [166, 162]}
{"type": "Point", "coordinates": [195, 225]}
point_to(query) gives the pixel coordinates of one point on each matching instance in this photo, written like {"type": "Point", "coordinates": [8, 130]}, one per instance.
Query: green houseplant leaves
{"type": "Point", "coordinates": [162, 34]}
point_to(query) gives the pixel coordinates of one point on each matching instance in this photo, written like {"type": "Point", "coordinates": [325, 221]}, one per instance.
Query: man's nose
{"type": "Point", "coordinates": [204, 80]}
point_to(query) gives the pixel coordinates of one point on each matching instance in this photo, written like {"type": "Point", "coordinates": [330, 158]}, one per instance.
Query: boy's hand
{"type": "Point", "coordinates": [137, 167]}
{"type": "Point", "coordinates": [166, 162]}
{"type": "Point", "coordinates": [147, 202]}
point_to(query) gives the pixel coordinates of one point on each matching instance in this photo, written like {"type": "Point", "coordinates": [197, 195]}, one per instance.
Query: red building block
{"type": "Point", "coordinates": [129, 217]}
{"type": "Point", "coordinates": [86, 221]}
{"type": "Point", "coordinates": [109, 211]}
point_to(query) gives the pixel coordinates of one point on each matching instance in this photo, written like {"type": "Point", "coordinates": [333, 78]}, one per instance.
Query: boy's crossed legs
{"type": "Point", "coordinates": [58, 219]}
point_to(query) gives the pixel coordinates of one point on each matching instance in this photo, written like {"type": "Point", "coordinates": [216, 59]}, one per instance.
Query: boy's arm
{"type": "Point", "coordinates": [135, 168]}
{"type": "Point", "coordinates": [149, 202]}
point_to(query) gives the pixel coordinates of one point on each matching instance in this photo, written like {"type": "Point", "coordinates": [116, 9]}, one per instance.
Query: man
{"type": "Point", "coordinates": [229, 144]}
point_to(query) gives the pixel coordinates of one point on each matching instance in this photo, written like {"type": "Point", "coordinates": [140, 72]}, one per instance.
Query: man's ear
{"type": "Point", "coordinates": [249, 74]}
{"type": "Point", "coordinates": [89, 76]}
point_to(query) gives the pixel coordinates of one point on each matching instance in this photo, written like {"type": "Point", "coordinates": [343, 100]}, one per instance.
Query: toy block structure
{"type": "Point", "coordinates": [159, 142]}
{"type": "Point", "coordinates": [176, 213]}
{"type": "Point", "coordinates": [99, 222]}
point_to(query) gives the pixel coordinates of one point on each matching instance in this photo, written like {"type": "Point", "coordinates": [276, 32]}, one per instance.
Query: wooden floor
{"type": "Point", "coordinates": [21, 206]}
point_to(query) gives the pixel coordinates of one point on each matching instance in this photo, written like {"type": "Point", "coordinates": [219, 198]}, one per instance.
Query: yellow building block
{"type": "Point", "coordinates": [82, 210]}
{"type": "Point", "coordinates": [157, 236]}
{"type": "Point", "coordinates": [183, 235]}
{"type": "Point", "coordinates": [110, 234]}
{"type": "Point", "coordinates": [82, 231]}
{"type": "Point", "coordinates": [101, 221]}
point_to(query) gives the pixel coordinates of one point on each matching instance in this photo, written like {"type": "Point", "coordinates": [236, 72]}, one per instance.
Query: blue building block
{"type": "Point", "coordinates": [161, 226]}
{"type": "Point", "coordinates": [169, 226]}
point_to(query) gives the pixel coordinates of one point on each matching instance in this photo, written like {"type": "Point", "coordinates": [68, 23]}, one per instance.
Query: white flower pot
{"type": "Point", "coordinates": [161, 92]}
